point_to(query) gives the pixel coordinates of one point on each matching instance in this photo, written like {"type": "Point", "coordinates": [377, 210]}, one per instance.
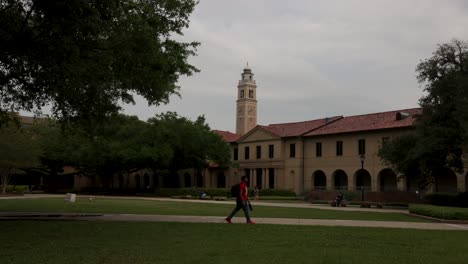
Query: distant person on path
{"type": "Point", "coordinates": [242, 200]}
{"type": "Point", "coordinates": [256, 192]}
{"type": "Point", "coordinates": [339, 199]}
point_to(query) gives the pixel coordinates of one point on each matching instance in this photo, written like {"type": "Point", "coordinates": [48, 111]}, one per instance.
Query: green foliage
{"type": "Point", "coordinates": [84, 57]}
{"type": "Point", "coordinates": [19, 150]}
{"type": "Point", "coordinates": [16, 188]}
{"type": "Point", "coordinates": [441, 212]}
{"type": "Point", "coordinates": [447, 199]}
{"type": "Point", "coordinates": [193, 192]}
{"type": "Point", "coordinates": [441, 130]}
{"type": "Point", "coordinates": [124, 144]}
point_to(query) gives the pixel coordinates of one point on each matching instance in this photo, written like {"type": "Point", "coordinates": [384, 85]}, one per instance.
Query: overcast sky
{"type": "Point", "coordinates": [311, 59]}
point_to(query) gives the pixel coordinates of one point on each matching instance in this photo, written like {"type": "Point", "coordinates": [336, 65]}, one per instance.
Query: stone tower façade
{"type": "Point", "coordinates": [246, 117]}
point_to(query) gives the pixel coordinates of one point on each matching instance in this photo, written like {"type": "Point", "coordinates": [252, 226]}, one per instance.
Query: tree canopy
{"type": "Point", "coordinates": [84, 57]}
{"type": "Point", "coordinates": [123, 144]}
{"type": "Point", "coordinates": [441, 133]}
{"type": "Point", "coordinates": [19, 149]}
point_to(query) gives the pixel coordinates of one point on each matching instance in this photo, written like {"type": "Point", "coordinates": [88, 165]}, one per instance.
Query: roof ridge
{"type": "Point", "coordinates": [399, 110]}
{"type": "Point", "coordinates": [312, 120]}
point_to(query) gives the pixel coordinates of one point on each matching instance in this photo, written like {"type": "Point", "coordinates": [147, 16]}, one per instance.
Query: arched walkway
{"type": "Point", "coordinates": [187, 180]}
{"type": "Point", "coordinates": [340, 180]}
{"type": "Point", "coordinates": [466, 182]}
{"type": "Point", "coordinates": [387, 180]}
{"type": "Point", "coordinates": [146, 181]}
{"type": "Point", "coordinates": [221, 180]}
{"type": "Point", "coordinates": [199, 179]}
{"type": "Point", "coordinates": [137, 181]}
{"type": "Point", "coordinates": [445, 181]}
{"type": "Point", "coordinates": [320, 180]}
{"type": "Point", "coordinates": [363, 180]}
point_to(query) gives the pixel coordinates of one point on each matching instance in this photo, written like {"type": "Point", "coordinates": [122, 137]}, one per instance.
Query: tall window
{"type": "Point", "coordinates": [250, 93]}
{"type": "Point", "coordinates": [271, 151]}
{"type": "Point", "coordinates": [236, 154]}
{"type": "Point", "coordinates": [241, 93]}
{"type": "Point", "coordinates": [318, 149]}
{"type": "Point", "coordinates": [362, 146]}
{"type": "Point", "coordinates": [339, 148]}
{"type": "Point", "coordinates": [247, 153]}
{"type": "Point", "coordinates": [259, 152]}
{"type": "Point", "coordinates": [271, 178]}
{"type": "Point", "coordinates": [292, 150]}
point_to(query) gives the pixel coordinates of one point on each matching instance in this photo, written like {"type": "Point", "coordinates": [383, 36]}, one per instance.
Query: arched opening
{"type": "Point", "coordinates": [146, 181]}
{"type": "Point", "coordinates": [466, 182]}
{"type": "Point", "coordinates": [363, 180]}
{"type": "Point", "coordinates": [340, 180]}
{"type": "Point", "coordinates": [221, 180]}
{"type": "Point", "coordinates": [199, 179]}
{"type": "Point", "coordinates": [137, 181]}
{"type": "Point", "coordinates": [155, 180]}
{"type": "Point", "coordinates": [319, 180]}
{"type": "Point", "coordinates": [387, 180]}
{"type": "Point", "coordinates": [445, 181]}
{"type": "Point", "coordinates": [121, 181]}
{"type": "Point", "coordinates": [259, 177]}
{"type": "Point", "coordinates": [187, 180]}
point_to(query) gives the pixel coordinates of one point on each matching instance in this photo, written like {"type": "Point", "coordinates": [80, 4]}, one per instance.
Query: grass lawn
{"type": "Point", "coordinates": [134, 206]}
{"type": "Point", "coordinates": [142, 242]}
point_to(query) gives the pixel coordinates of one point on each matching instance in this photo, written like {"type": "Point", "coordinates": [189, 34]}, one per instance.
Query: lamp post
{"type": "Point", "coordinates": [362, 157]}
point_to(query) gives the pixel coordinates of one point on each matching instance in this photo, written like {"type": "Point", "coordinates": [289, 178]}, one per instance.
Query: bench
{"type": "Point", "coordinates": [343, 203]}
{"type": "Point", "coordinates": [370, 204]}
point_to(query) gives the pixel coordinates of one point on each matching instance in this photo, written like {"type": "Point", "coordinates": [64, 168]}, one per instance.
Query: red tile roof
{"type": "Point", "coordinates": [227, 136]}
{"type": "Point", "coordinates": [299, 128]}
{"type": "Point", "coordinates": [375, 121]}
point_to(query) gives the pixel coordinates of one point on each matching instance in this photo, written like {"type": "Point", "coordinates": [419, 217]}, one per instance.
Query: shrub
{"type": "Point", "coordinates": [441, 212]}
{"type": "Point", "coordinates": [16, 188]}
{"type": "Point", "coordinates": [447, 199]}
{"type": "Point", "coordinates": [195, 192]}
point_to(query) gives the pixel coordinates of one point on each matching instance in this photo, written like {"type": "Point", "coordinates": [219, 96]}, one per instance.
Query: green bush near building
{"type": "Point", "coordinates": [440, 212]}
{"type": "Point", "coordinates": [447, 199]}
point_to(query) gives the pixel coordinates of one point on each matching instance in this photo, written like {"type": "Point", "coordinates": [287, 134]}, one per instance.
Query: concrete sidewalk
{"type": "Point", "coordinates": [9, 216]}
{"type": "Point", "coordinates": [215, 219]}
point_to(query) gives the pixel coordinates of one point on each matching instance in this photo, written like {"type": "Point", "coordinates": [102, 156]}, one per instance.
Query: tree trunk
{"type": "Point", "coordinates": [5, 177]}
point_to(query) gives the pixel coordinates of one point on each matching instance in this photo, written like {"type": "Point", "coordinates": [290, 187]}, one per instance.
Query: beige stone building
{"type": "Point", "coordinates": [334, 153]}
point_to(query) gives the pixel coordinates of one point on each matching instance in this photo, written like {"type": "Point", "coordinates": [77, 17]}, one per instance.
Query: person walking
{"type": "Point", "coordinates": [242, 201]}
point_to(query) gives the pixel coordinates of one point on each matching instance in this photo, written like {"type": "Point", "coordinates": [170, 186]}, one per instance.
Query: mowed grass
{"type": "Point", "coordinates": [142, 242]}
{"type": "Point", "coordinates": [135, 206]}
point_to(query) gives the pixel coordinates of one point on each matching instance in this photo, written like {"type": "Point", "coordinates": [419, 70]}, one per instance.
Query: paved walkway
{"type": "Point", "coordinates": [237, 220]}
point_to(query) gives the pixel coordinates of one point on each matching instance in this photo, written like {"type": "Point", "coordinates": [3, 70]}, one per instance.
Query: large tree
{"type": "Point", "coordinates": [19, 150]}
{"type": "Point", "coordinates": [84, 57]}
{"type": "Point", "coordinates": [441, 133]}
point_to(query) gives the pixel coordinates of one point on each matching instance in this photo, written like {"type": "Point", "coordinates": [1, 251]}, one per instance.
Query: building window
{"type": "Point", "coordinates": [259, 152]}
{"type": "Point", "coordinates": [292, 150]}
{"type": "Point", "coordinates": [362, 146]}
{"type": "Point", "coordinates": [236, 154]}
{"type": "Point", "coordinates": [385, 140]}
{"type": "Point", "coordinates": [271, 151]}
{"type": "Point", "coordinates": [241, 93]}
{"type": "Point", "coordinates": [250, 93]}
{"type": "Point", "coordinates": [339, 148]}
{"type": "Point", "coordinates": [247, 153]}
{"type": "Point", "coordinates": [318, 149]}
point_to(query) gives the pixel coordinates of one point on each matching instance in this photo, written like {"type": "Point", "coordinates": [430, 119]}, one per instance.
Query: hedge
{"type": "Point", "coordinates": [195, 192]}
{"type": "Point", "coordinates": [441, 212]}
{"type": "Point", "coordinates": [16, 188]}
{"type": "Point", "coordinates": [447, 199]}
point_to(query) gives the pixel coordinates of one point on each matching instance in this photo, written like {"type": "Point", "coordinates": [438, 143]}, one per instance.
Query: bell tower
{"type": "Point", "coordinates": [246, 117]}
